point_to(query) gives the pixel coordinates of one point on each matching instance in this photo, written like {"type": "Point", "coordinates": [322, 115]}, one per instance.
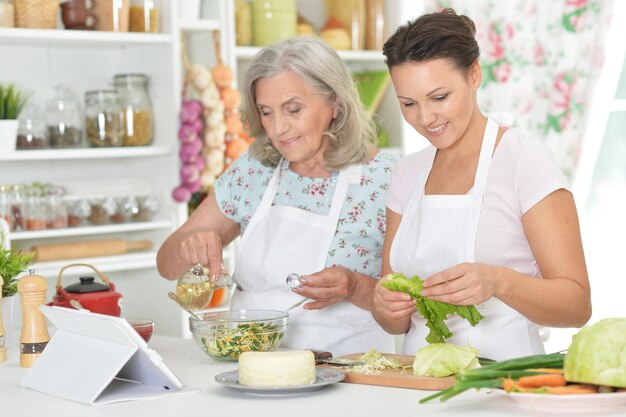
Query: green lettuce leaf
{"type": "Point", "coordinates": [434, 312]}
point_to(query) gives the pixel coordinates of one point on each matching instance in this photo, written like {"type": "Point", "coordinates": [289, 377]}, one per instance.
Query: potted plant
{"type": "Point", "coordinates": [12, 101]}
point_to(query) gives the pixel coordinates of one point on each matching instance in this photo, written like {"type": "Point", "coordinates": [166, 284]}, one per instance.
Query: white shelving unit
{"type": "Point", "coordinates": [37, 60]}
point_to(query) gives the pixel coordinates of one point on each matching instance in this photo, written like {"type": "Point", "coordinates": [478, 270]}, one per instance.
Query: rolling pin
{"type": "Point", "coordinates": [88, 249]}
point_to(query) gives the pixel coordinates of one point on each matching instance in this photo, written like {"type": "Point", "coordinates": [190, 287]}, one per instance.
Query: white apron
{"type": "Point", "coordinates": [439, 231]}
{"type": "Point", "coordinates": [280, 240]}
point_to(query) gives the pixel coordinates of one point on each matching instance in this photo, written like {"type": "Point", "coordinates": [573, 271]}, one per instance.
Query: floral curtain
{"type": "Point", "coordinates": [540, 59]}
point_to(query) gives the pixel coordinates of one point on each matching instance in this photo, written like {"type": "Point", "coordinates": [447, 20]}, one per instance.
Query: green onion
{"type": "Point", "coordinates": [492, 375]}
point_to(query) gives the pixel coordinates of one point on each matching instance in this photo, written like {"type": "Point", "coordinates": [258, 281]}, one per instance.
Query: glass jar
{"type": "Point", "coordinates": [34, 209]}
{"type": "Point", "coordinates": [64, 119]}
{"type": "Point", "coordinates": [31, 131]}
{"type": "Point", "coordinates": [79, 213]}
{"type": "Point", "coordinates": [7, 13]}
{"type": "Point", "coordinates": [5, 205]}
{"type": "Point", "coordinates": [273, 20]}
{"type": "Point", "coordinates": [148, 206]}
{"type": "Point", "coordinates": [56, 211]}
{"type": "Point", "coordinates": [137, 108]}
{"type": "Point", "coordinates": [243, 23]}
{"type": "Point", "coordinates": [112, 15]}
{"type": "Point", "coordinates": [18, 197]}
{"type": "Point", "coordinates": [144, 16]}
{"type": "Point", "coordinates": [103, 118]}
{"type": "Point", "coordinates": [98, 214]}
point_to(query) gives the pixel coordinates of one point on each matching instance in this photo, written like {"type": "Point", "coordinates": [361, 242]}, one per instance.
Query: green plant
{"type": "Point", "coordinates": [12, 101]}
{"type": "Point", "coordinates": [12, 262]}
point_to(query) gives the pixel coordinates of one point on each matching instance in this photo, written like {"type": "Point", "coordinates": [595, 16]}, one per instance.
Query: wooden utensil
{"type": "Point", "coordinates": [395, 377]}
{"type": "Point", "coordinates": [87, 249]}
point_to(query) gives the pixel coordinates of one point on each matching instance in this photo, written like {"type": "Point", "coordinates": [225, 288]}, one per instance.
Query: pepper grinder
{"type": "Point", "coordinates": [34, 338]}
{"type": "Point", "coordinates": [3, 348]}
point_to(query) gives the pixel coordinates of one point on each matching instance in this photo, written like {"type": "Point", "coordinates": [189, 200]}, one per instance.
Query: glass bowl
{"type": "Point", "coordinates": [144, 327]}
{"type": "Point", "coordinates": [225, 335]}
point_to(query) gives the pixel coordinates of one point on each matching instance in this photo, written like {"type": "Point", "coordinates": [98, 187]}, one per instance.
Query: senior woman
{"type": "Point", "coordinates": [308, 198]}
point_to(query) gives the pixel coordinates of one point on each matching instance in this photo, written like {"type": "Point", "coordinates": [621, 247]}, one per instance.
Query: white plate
{"type": "Point", "coordinates": [571, 404]}
{"type": "Point", "coordinates": [323, 377]}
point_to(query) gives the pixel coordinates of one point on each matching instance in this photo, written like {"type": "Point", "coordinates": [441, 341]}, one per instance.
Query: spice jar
{"type": "Point", "coordinates": [98, 215]}
{"type": "Point", "coordinates": [148, 206]}
{"type": "Point", "coordinates": [64, 119]}
{"type": "Point", "coordinates": [137, 108]}
{"type": "Point", "coordinates": [103, 118]}
{"type": "Point", "coordinates": [79, 213]}
{"type": "Point", "coordinates": [18, 197]}
{"type": "Point", "coordinates": [31, 131]}
{"type": "Point", "coordinates": [7, 13]}
{"type": "Point", "coordinates": [56, 212]}
{"type": "Point", "coordinates": [144, 16]}
{"type": "Point", "coordinates": [5, 205]}
{"type": "Point", "coordinates": [33, 209]}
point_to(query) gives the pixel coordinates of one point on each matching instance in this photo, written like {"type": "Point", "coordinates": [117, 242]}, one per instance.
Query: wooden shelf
{"type": "Point", "coordinates": [50, 37]}
{"type": "Point", "coordinates": [86, 153]}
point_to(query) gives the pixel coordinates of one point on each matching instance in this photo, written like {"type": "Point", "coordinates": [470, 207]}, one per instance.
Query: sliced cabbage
{"type": "Point", "coordinates": [444, 359]}
{"type": "Point", "coordinates": [597, 354]}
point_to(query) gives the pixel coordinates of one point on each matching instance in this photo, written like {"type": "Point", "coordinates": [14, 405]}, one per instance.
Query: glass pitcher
{"type": "Point", "coordinates": [195, 290]}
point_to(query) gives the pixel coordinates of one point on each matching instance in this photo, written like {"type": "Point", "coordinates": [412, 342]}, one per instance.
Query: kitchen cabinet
{"type": "Point", "coordinates": [38, 60]}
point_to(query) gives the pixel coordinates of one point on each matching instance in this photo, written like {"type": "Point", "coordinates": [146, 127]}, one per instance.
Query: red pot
{"type": "Point", "coordinates": [94, 296]}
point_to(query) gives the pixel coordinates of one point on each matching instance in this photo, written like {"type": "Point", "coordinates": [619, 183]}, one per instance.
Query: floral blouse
{"type": "Point", "coordinates": [358, 240]}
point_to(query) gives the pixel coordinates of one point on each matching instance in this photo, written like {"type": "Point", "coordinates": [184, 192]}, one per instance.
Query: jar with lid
{"type": "Point", "coordinates": [7, 13]}
{"type": "Point", "coordinates": [103, 118]}
{"type": "Point", "coordinates": [34, 209]}
{"type": "Point", "coordinates": [148, 206]}
{"type": "Point", "coordinates": [56, 211]}
{"type": "Point", "coordinates": [79, 213]}
{"type": "Point", "coordinates": [5, 205]}
{"type": "Point", "coordinates": [64, 119]}
{"type": "Point", "coordinates": [137, 108]}
{"type": "Point", "coordinates": [18, 197]}
{"type": "Point", "coordinates": [31, 131]}
{"type": "Point", "coordinates": [144, 16]}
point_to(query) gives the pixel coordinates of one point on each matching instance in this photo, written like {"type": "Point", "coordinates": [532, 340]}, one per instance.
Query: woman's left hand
{"type": "Point", "coordinates": [326, 287]}
{"type": "Point", "coordinates": [462, 284]}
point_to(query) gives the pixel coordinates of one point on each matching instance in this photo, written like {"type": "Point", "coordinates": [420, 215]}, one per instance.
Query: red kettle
{"type": "Point", "coordinates": [94, 296]}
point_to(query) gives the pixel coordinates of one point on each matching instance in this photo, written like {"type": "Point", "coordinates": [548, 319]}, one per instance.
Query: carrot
{"type": "Point", "coordinates": [572, 389]}
{"type": "Point", "coordinates": [542, 380]}
{"type": "Point", "coordinates": [508, 384]}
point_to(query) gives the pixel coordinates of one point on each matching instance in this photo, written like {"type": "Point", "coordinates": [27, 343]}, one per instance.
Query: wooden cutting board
{"type": "Point", "coordinates": [394, 377]}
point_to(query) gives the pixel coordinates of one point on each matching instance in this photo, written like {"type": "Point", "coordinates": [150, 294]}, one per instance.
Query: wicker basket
{"type": "Point", "coordinates": [36, 14]}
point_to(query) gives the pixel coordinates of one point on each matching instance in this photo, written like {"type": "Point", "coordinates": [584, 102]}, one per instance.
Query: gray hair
{"type": "Point", "coordinates": [352, 133]}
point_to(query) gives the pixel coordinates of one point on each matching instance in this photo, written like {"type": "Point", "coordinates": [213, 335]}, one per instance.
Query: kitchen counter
{"type": "Point", "coordinates": [197, 370]}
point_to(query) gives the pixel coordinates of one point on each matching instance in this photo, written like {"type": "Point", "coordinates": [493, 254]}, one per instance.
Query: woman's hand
{"type": "Point", "coordinates": [328, 286]}
{"type": "Point", "coordinates": [202, 246]}
{"type": "Point", "coordinates": [462, 284]}
{"type": "Point", "coordinates": [392, 309]}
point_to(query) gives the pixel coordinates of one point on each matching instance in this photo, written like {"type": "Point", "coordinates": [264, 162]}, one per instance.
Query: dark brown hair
{"type": "Point", "coordinates": [443, 34]}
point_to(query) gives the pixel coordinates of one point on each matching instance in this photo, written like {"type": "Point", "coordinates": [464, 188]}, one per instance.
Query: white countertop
{"type": "Point", "coordinates": [197, 370]}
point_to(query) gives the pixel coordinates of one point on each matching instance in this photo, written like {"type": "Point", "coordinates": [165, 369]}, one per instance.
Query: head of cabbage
{"type": "Point", "coordinates": [597, 354]}
{"type": "Point", "coordinates": [444, 359]}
